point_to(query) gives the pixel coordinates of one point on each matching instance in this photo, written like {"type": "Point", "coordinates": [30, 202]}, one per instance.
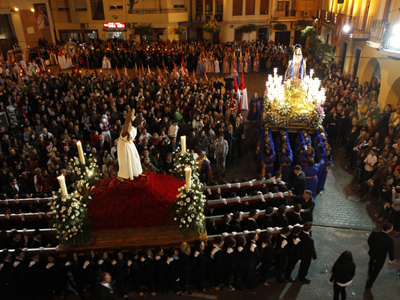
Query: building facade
{"type": "Point", "coordinates": [24, 22]}
{"type": "Point", "coordinates": [366, 38]}
{"type": "Point", "coordinates": [85, 19]}
{"type": "Point", "coordinates": [234, 14]}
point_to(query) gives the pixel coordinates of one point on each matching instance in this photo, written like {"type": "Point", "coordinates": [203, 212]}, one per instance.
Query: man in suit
{"type": "Point", "coordinates": [295, 217]}
{"type": "Point", "coordinates": [103, 145]}
{"type": "Point", "coordinates": [307, 252]}
{"type": "Point", "coordinates": [238, 131]}
{"type": "Point", "coordinates": [298, 186]}
{"type": "Point", "coordinates": [14, 187]}
{"type": "Point", "coordinates": [307, 203]}
{"type": "Point", "coordinates": [104, 290]}
{"type": "Point", "coordinates": [294, 252]}
{"type": "Point", "coordinates": [281, 252]}
{"type": "Point", "coordinates": [380, 243]}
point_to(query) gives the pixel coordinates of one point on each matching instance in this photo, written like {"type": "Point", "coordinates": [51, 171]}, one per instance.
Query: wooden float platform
{"type": "Point", "coordinates": [138, 238]}
{"type": "Point", "coordinates": [295, 128]}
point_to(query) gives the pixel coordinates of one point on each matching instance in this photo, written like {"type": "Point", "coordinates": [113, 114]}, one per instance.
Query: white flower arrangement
{"type": "Point", "coordinates": [189, 203]}
{"type": "Point", "coordinates": [69, 218]}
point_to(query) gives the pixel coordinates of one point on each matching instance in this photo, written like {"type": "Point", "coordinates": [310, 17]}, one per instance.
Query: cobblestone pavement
{"type": "Point", "coordinates": [337, 205]}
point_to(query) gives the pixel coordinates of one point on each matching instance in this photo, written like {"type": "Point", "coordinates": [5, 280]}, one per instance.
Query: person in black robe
{"type": "Point", "coordinates": [201, 263]}
{"type": "Point", "coordinates": [265, 243]}
{"type": "Point", "coordinates": [217, 262]}
{"type": "Point", "coordinates": [187, 263]}
{"type": "Point", "coordinates": [252, 259]}
{"type": "Point", "coordinates": [294, 252]}
{"type": "Point", "coordinates": [173, 270]}
{"type": "Point", "coordinates": [120, 272]}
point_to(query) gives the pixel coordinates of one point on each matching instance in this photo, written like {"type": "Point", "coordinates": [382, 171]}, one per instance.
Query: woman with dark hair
{"type": "Point", "coordinates": [201, 263]}
{"type": "Point", "coordinates": [186, 266]}
{"type": "Point", "coordinates": [342, 274]}
{"type": "Point", "coordinates": [267, 256]}
{"type": "Point", "coordinates": [90, 268]}
{"type": "Point", "coordinates": [77, 280]}
{"type": "Point", "coordinates": [173, 270]}
{"type": "Point", "coordinates": [135, 271]}
{"type": "Point", "coordinates": [119, 272]}
{"type": "Point", "coordinates": [148, 263]}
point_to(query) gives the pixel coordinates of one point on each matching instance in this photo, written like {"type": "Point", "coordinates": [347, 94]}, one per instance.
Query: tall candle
{"type": "Point", "coordinates": [183, 144]}
{"type": "Point", "coordinates": [80, 151]}
{"type": "Point", "coordinates": [61, 181]}
{"type": "Point", "coordinates": [188, 173]}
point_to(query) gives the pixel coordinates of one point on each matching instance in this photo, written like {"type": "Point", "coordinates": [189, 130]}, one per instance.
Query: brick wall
{"type": "Point", "coordinates": [28, 19]}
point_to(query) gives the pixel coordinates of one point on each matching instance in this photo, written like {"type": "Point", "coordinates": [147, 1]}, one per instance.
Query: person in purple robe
{"type": "Point", "coordinates": [311, 172]}
{"type": "Point", "coordinates": [323, 171]}
{"type": "Point", "coordinates": [267, 163]}
{"type": "Point", "coordinates": [286, 160]}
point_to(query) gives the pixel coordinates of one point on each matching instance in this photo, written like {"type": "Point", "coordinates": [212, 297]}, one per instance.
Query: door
{"type": "Point", "coordinates": [238, 34]}
{"type": "Point", "coordinates": [298, 39]}
{"type": "Point", "coordinates": [343, 56]}
{"type": "Point", "coordinates": [4, 46]}
{"type": "Point", "coordinates": [199, 33]}
{"type": "Point", "coordinates": [282, 37]}
{"type": "Point", "coordinates": [327, 36]}
{"type": "Point", "coordinates": [263, 34]}
{"type": "Point", "coordinates": [357, 57]}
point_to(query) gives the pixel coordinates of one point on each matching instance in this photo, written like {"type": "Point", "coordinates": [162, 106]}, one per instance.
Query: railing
{"type": "Point", "coordinates": [359, 24]}
{"type": "Point", "coordinates": [377, 31]}
{"type": "Point", "coordinates": [158, 11]}
{"type": "Point", "coordinates": [284, 13]}
{"type": "Point", "coordinates": [391, 36]}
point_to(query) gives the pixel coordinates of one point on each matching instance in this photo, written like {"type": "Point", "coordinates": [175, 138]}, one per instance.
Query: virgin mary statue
{"type": "Point", "coordinates": [297, 65]}
{"type": "Point", "coordinates": [128, 156]}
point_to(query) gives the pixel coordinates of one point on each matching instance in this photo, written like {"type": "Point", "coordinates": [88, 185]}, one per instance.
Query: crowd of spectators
{"type": "Point", "coordinates": [369, 137]}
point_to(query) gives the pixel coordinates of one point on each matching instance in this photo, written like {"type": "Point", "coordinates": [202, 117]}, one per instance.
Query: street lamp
{"type": "Point", "coordinates": [346, 28]}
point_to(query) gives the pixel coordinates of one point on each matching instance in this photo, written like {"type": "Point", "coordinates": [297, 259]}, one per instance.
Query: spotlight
{"type": "Point", "coordinates": [32, 10]}
{"type": "Point", "coordinates": [346, 28]}
{"type": "Point", "coordinates": [15, 9]}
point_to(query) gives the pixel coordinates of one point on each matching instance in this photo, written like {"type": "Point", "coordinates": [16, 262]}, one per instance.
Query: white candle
{"type": "Point", "coordinates": [188, 174]}
{"type": "Point", "coordinates": [183, 144]}
{"type": "Point", "coordinates": [61, 181]}
{"type": "Point", "coordinates": [80, 151]}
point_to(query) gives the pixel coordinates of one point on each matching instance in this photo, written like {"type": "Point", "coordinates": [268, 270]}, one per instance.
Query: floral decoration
{"type": "Point", "coordinates": [189, 206]}
{"type": "Point", "coordinates": [69, 218]}
{"type": "Point", "coordinates": [284, 109]}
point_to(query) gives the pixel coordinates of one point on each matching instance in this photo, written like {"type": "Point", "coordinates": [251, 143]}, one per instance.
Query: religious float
{"type": "Point", "coordinates": [293, 101]}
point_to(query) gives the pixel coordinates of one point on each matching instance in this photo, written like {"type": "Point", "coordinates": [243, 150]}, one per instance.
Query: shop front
{"type": "Point", "coordinates": [78, 36]}
{"type": "Point", "coordinates": [115, 30]}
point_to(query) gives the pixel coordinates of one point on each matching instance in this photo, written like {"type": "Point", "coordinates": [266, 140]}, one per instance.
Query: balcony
{"type": "Point", "coordinates": [280, 14]}
{"type": "Point", "coordinates": [360, 26]}
{"type": "Point", "coordinates": [385, 37]}
{"type": "Point", "coordinates": [158, 11]}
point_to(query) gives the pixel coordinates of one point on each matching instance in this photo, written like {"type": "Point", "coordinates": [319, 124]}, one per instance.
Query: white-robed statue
{"type": "Point", "coordinates": [297, 65]}
{"type": "Point", "coordinates": [128, 156]}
